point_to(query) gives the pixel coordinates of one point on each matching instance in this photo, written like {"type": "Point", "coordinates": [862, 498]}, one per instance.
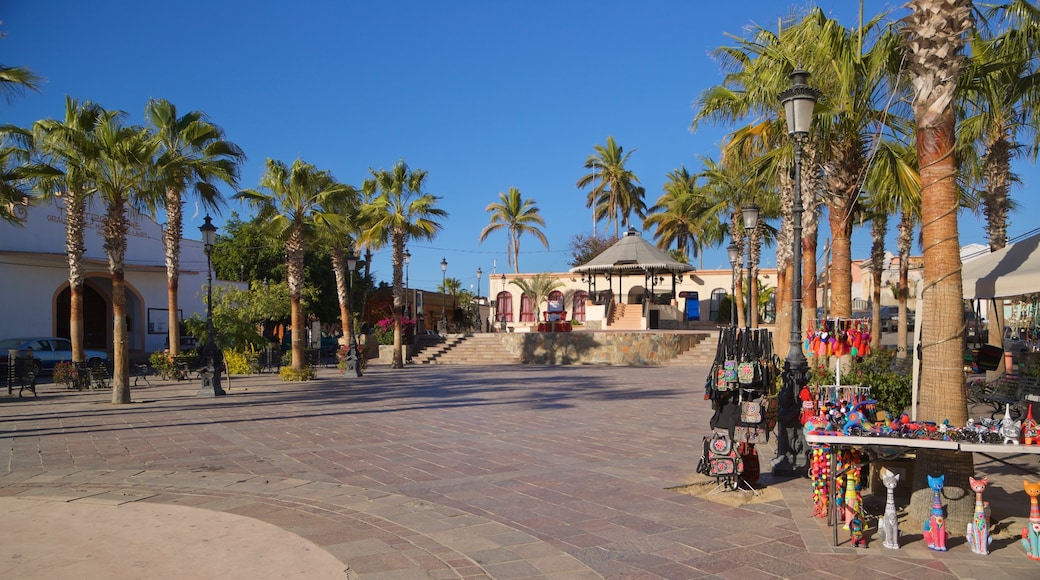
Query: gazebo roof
{"type": "Point", "coordinates": [632, 254]}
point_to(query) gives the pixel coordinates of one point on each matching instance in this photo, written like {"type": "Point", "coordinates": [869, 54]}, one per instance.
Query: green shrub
{"type": "Point", "coordinates": [891, 389]}
{"type": "Point", "coordinates": [288, 373]}
{"type": "Point", "coordinates": [242, 363]}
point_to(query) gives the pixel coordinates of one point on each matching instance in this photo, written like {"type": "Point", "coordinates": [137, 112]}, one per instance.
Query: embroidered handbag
{"type": "Point", "coordinates": [749, 459]}
{"type": "Point", "coordinates": [720, 458]}
{"type": "Point", "coordinates": [721, 384]}
{"type": "Point", "coordinates": [730, 370]}
{"type": "Point", "coordinates": [747, 372]}
{"type": "Point", "coordinates": [750, 412]}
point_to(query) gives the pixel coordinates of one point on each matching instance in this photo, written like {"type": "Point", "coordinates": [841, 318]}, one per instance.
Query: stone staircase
{"type": "Point", "coordinates": [467, 349]}
{"type": "Point", "coordinates": [701, 354]}
{"type": "Point", "coordinates": [626, 317]}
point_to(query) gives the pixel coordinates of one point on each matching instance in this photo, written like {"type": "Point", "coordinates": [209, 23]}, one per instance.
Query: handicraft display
{"type": "Point", "coordinates": [978, 529]}
{"type": "Point", "coordinates": [888, 525]}
{"type": "Point", "coordinates": [1031, 533]}
{"type": "Point", "coordinates": [935, 534]}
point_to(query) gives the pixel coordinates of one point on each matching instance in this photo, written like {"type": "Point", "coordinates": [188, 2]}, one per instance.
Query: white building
{"type": "Point", "coordinates": [34, 293]}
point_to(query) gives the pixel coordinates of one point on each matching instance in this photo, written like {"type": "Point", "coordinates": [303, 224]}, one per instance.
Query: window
{"type": "Point", "coordinates": [579, 305]}
{"type": "Point", "coordinates": [716, 303]}
{"type": "Point", "coordinates": [526, 308]}
{"type": "Point", "coordinates": [504, 306]}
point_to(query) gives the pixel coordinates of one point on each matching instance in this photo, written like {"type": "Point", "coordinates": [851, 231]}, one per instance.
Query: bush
{"type": "Point", "coordinates": [307, 373]}
{"type": "Point", "coordinates": [66, 373]}
{"type": "Point", "coordinates": [241, 363]}
{"type": "Point", "coordinates": [891, 389]}
{"type": "Point", "coordinates": [385, 330]}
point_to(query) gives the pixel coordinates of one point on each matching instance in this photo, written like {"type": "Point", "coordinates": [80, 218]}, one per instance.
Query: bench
{"type": "Point", "coordinates": [1011, 392]}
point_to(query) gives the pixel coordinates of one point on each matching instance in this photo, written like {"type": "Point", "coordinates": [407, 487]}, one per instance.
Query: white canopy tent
{"type": "Point", "coordinates": [1013, 270]}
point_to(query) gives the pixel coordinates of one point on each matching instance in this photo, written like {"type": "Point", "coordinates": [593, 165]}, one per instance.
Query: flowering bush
{"type": "Point", "coordinates": [65, 373]}
{"type": "Point", "coordinates": [385, 330]}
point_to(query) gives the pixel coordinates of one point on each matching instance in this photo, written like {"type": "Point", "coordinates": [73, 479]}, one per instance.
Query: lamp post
{"type": "Point", "coordinates": [480, 317]}
{"type": "Point", "coordinates": [407, 260]}
{"type": "Point", "coordinates": [444, 297]}
{"type": "Point", "coordinates": [798, 102]}
{"type": "Point", "coordinates": [211, 355]}
{"type": "Point", "coordinates": [734, 258]}
{"type": "Point", "coordinates": [750, 214]}
{"type": "Point", "coordinates": [353, 356]}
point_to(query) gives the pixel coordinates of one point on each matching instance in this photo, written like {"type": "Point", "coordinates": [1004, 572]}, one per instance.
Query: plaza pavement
{"type": "Point", "coordinates": [426, 472]}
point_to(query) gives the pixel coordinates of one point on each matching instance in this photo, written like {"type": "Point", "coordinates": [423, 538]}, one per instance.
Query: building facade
{"type": "Point", "coordinates": [35, 297]}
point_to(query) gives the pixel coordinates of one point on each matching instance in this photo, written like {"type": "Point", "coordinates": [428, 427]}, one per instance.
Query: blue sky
{"type": "Point", "coordinates": [483, 95]}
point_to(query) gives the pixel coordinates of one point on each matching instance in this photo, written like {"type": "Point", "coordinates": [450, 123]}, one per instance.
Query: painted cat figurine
{"type": "Point", "coordinates": [978, 529]}
{"type": "Point", "coordinates": [888, 525]}
{"type": "Point", "coordinates": [935, 533]}
{"type": "Point", "coordinates": [1031, 533]}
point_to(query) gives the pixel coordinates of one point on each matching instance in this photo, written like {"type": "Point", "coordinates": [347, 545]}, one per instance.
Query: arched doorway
{"type": "Point", "coordinates": [95, 317]}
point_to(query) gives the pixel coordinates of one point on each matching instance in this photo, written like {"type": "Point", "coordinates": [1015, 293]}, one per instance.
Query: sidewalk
{"type": "Point", "coordinates": [425, 472]}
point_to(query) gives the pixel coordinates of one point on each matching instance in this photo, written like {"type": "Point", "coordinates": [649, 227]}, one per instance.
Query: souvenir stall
{"type": "Point", "coordinates": [741, 387]}
{"type": "Point", "coordinates": [846, 428]}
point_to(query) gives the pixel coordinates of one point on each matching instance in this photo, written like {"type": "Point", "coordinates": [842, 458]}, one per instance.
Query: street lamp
{"type": "Point", "coordinates": [798, 102]}
{"type": "Point", "coordinates": [353, 356]}
{"type": "Point", "coordinates": [212, 358]}
{"type": "Point", "coordinates": [750, 213]}
{"type": "Point", "coordinates": [444, 297]}
{"type": "Point", "coordinates": [479, 274]}
{"type": "Point", "coordinates": [480, 317]}
{"type": "Point", "coordinates": [734, 258]}
{"type": "Point", "coordinates": [407, 260]}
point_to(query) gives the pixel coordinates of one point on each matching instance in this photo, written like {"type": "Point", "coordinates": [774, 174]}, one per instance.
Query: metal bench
{"type": "Point", "coordinates": [21, 371]}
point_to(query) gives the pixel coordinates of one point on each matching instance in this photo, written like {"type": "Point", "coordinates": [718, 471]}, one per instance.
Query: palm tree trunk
{"type": "Point", "coordinates": [841, 259]}
{"type": "Point", "coordinates": [339, 268]}
{"type": "Point", "coordinates": [75, 222]}
{"type": "Point", "coordinates": [942, 336]}
{"type": "Point", "coordinates": [172, 243]}
{"type": "Point", "coordinates": [904, 239]}
{"type": "Point", "coordinates": [397, 242]}
{"type": "Point", "coordinates": [879, 229]}
{"type": "Point", "coordinates": [294, 250]}
{"type": "Point", "coordinates": [114, 229]}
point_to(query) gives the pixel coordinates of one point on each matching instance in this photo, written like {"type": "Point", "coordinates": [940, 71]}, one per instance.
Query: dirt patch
{"type": "Point", "coordinates": [707, 488]}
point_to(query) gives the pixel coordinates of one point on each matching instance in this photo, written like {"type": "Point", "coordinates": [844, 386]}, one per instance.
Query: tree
{"type": "Point", "coordinates": [121, 173]}
{"type": "Point", "coordinates": [193, 156]}
{"type": "Point", "coordinates": [16, 80]}
{"type": "Point", "coordinates": [399, 212]}
{"type": "Point", "coordinates": [676, 215]}
{"type": "Point", "coordinates": [14, 190]}
{"type": "Point", "coordinates": [341, 239]}
{"type": "Point", "coordinates": [292, 202]}
{"type": "Point", "coordinates": [517, 216]}
{"type": "Point", "coordinates": [934, 39]}
{"type": "Point", "coordinates": [65, 149]}
{"type": "Point", "coordinates": [586, 247]}
{"type": "Point", "coordinates": [616, 193]}
{"type": "Point", "coordinates": [538, 288]}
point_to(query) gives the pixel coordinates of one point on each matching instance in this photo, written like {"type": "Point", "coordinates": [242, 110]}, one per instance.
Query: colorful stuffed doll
{"type": "Point", "coordinates": [888, 525]}
{"type": "Point", "coordinates": [859, 540]}
{"type": "Point", "coordinates": [1031, 533]}
{"type": "Point", "coordinates": [978, 529]}
{"type": "Point", "coordinates": [935, 534]}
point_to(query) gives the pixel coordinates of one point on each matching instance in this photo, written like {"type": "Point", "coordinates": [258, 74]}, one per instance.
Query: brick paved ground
{"type": "Point", "coordinates": [455, 472]}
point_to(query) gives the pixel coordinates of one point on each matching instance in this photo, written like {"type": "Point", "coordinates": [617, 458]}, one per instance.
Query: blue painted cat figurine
{"type": "Point", "coordinates": [935, 533]}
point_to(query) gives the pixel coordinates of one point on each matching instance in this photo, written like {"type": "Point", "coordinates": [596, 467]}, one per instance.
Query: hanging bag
{"type": "Point", "coordinates": [720, 457]}
{"type": "Point", "coordinates": [750, 412]}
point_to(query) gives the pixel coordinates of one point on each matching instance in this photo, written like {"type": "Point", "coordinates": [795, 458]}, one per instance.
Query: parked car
{"type": "Point", "coordinates": [890, 319]}
{"type": "Point", "coordinates": [48, 351]}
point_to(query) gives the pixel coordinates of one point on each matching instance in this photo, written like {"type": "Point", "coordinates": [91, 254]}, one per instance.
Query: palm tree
{"type": "Point", "coordinates": [538, 287]}
{"type": "Point", "coordinates": [399, 212]}
{"type": "Point", "coordinates": [193, 155]}
{"type": "Point", "coordinates": [65, 148]}
{"type": "Point", "coordinates": [934, 34]}
{"type": "Point", "coordinates": [616, 193]}
{"type": "Point", "coordinates": [13, 189]}
{"type": "Point", "coordinates": [896, 188]}
{"type": "Point", "coordinates": [293, 203]}
{"type": "Point", "coordinates": [676, 214]}
{"type": "Point", "coordinates": [122, 175]}
{"type": "Point", "coordinates": [15, 80]}
{"type": "Point", "coordinates": [341, 238]}
{"type": "Point", "coordinates": [517, 216]}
